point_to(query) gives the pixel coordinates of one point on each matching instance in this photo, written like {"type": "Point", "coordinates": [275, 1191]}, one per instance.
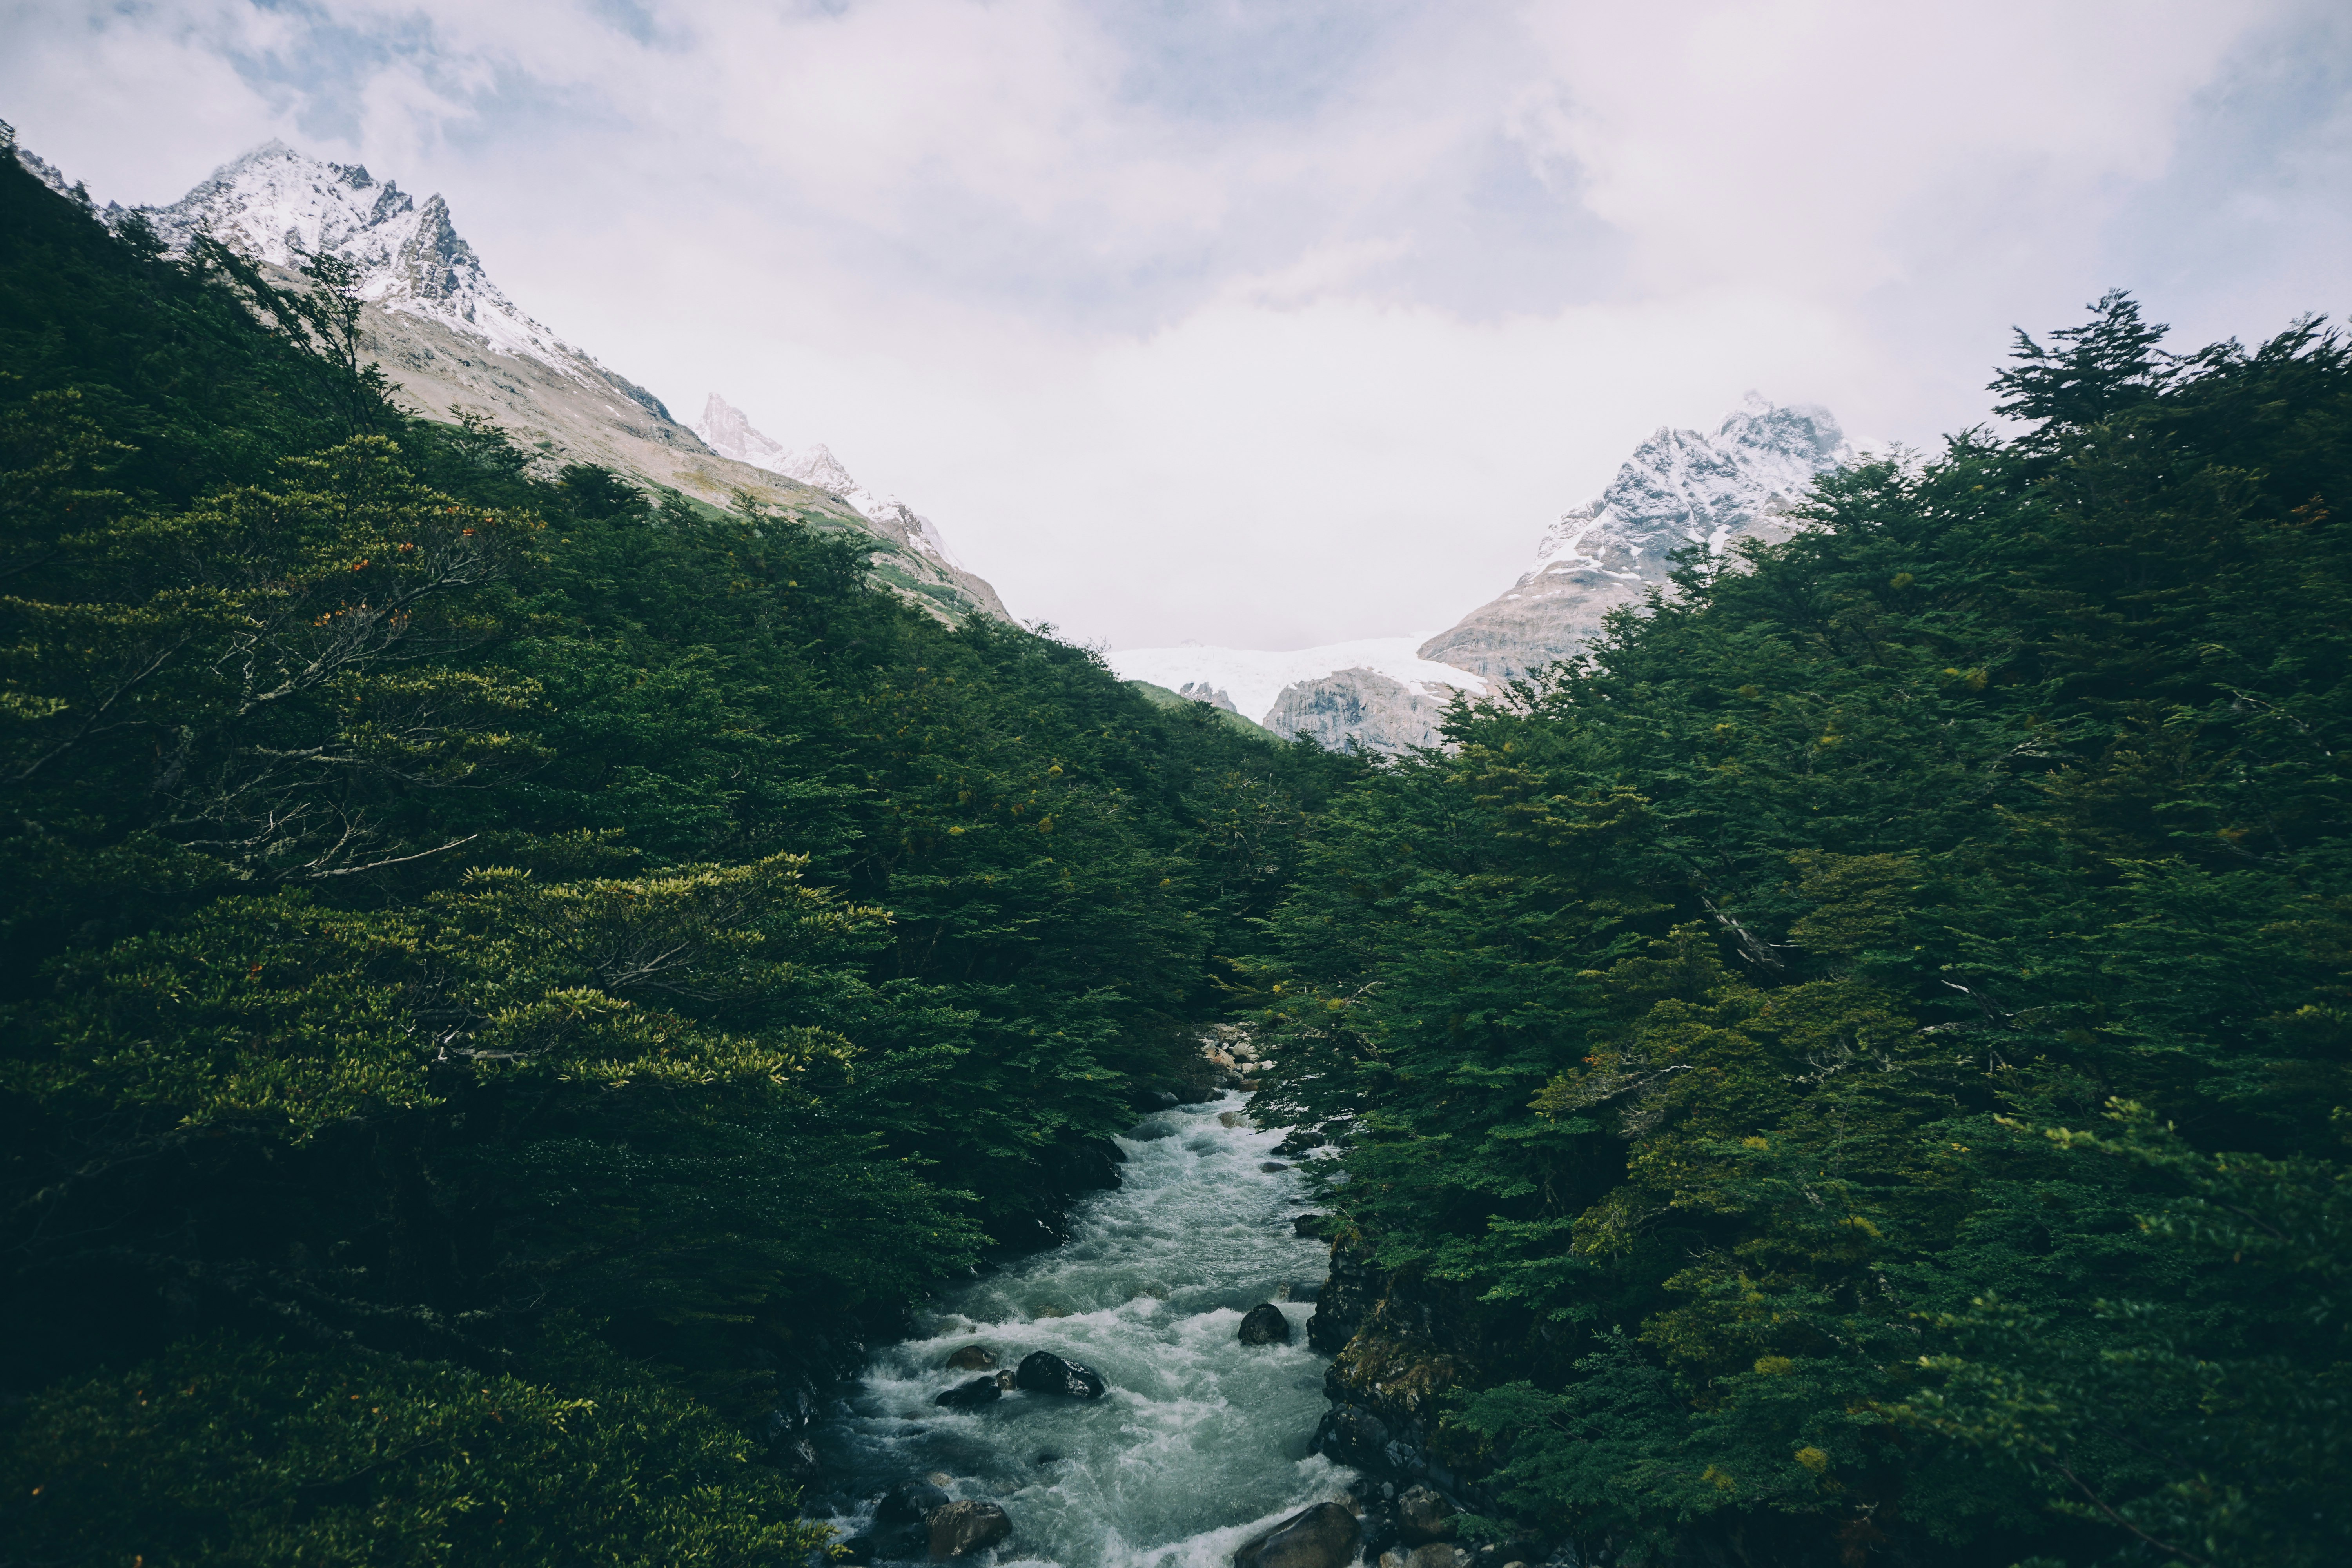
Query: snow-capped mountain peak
{"type": "Point", "coordinates": [283, 206]}
{"type": "Point", "coordinates": [817, 466]}
{"type": "Point", "coordinates": [1689, 487]}
{"type": "Point", "coordinates": [726, 431]}
{"type": "Point", "coordinates": [1680, 487]}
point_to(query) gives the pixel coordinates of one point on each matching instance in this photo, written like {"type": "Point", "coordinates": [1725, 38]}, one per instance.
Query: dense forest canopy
{"type": "Point", "coordinates": [503, 968]}
{"type": "Point", "coordinates": [509, 969]}
{"type": "Point", "coordinates": [1858, 1058]}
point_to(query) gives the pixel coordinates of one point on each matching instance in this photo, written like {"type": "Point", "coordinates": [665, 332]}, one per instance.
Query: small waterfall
{"type": "Point", "coordinates": [1201, 1441]}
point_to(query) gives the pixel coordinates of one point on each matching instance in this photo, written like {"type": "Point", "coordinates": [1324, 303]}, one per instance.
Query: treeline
{"type": "Point", "coordinates": [1854, 1068]}
{"type": "Point", "coordinates": [509, 974]}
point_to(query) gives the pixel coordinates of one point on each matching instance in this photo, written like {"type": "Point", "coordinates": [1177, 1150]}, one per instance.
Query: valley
{"type": "Point", "coordinates": [578, 989]}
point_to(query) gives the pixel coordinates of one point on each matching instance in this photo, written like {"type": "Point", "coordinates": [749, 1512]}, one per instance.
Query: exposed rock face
{"type": "Point", "coordinates": [1324, 1536]}
{"type": "Point", "coordinates": [1680, 487]}
{"type": "Point", "coordinates": [278, 206]}
{"type": "Point", "coordinates": [1372, 694]}
{"type": "Point", "coordinates": [1202, 692]}
{"type": "Point", "coordinates": [449, 338]}
{"type": "Point", "coordinates": [1400, 1346]}
{"type": "Point", "coordinates": [1354, 1436]}
{"type": "Point", "coordinates": [1349, 1293]}
{"type": "Point", "coordinates": [1361, 709]}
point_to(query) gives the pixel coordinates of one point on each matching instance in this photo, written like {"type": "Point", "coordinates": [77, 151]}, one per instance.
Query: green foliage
{"type": "Point", "coordinates": [241, 1451]}
{"type": "Point", "coordinates": [2238, 1389]}
{"type": "Point", "coordinates": [1697, 1010]}
{"type": "Point", "coordinates": [550, 955]}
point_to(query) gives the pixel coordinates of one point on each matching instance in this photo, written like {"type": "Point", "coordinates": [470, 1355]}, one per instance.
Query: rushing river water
{"type": "Point", "coordinates": [1201, 1441]}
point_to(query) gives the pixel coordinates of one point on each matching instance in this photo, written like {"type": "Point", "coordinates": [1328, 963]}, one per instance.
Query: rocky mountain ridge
{"type": "Point", "coordinates": [726, 431]}
{"type": "Point", "coordinates": [1340, 693]}
{"type": "Point", "coordinates": [1679, 487]}
{"type": "Point", "coordinates": [450, 338]}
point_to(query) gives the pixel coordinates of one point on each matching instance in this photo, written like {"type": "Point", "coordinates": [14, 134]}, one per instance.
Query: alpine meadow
{"type": "Point", "coordinates": [518, 979]}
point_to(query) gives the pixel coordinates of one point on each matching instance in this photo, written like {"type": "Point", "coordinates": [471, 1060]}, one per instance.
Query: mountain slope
{"type": "Point", "coordinates": [450, 338]}
{"type": "Point", "coordinates": [1680, 487]}
{"type": "Point", "coordinates": [1161, 697]}
{"type": "Point", "coordinates": [725, 430]}
{"type": "Point", "coordinates": [1373, 693]}
{"type": "Point", "coordinates": [590, 965]}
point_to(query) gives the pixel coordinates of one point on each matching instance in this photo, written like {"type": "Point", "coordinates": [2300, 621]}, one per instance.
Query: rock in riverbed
{"type": "Point", "coordinates": [1264, 1324]}
{"type": "Point", "coordinates": [971, 1358]}
{"type": "Point", "coordinates": [1043, 1372]}
{"type": "Point", "coordinates": [962, 1528]}
{"type": "Point", "coordinates": [967, 1395]}
{"type": "Point", "coordinates": [909, 1501]}
{"type": "Point", "coordinates": [1324, 1536]}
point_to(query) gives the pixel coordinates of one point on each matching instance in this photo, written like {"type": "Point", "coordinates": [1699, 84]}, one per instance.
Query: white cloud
{"type": "Point", "coordinates": [1264, 325]}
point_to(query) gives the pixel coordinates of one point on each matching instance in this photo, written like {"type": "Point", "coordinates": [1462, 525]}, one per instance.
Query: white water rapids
{"type": "Point", "coordinates": [1201, 1441]}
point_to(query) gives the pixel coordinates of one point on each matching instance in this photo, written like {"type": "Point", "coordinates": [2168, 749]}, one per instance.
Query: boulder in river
{"type": "Point", "coordinates": [1271, 1166]}
{"type": "Point", "coordinates": [971, 1358]}
{"type": "Point", "coordinates": [1422, 1516]}
{"type": "Point", "coordinates": [1264, 1324]}
{"type": "Point", "coordinates": [1232, 1118]}
{"type": "Point", "coordinates": [909, 1502]}
{"type": "Point", "coordinates": [1316, 1225]}
{"type": "Point", "coordinates": [960, 1528]}
{"type": "Point", "coordinates": [967, 1395]}
{"type": "Point", "coordinates": [1043, 1372]}
{"type": "Point", "coordinates": [1324, 1536]}
{"type": "Point", "coordinates": [1353, 1435]}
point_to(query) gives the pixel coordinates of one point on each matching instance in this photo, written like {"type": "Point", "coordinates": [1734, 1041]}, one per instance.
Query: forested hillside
{"type": "Point", "coordinates": [1853, 1069]}
{"type": "Point", "coordinates": [509, 974]}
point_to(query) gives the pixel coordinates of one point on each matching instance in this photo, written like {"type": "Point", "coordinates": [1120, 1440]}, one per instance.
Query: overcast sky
{"type": "Point", "coordinates": [1275, 324]}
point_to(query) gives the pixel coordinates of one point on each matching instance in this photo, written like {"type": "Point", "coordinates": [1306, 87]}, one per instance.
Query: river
{"type": "Point", "coordinates": [1201, 1441]}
